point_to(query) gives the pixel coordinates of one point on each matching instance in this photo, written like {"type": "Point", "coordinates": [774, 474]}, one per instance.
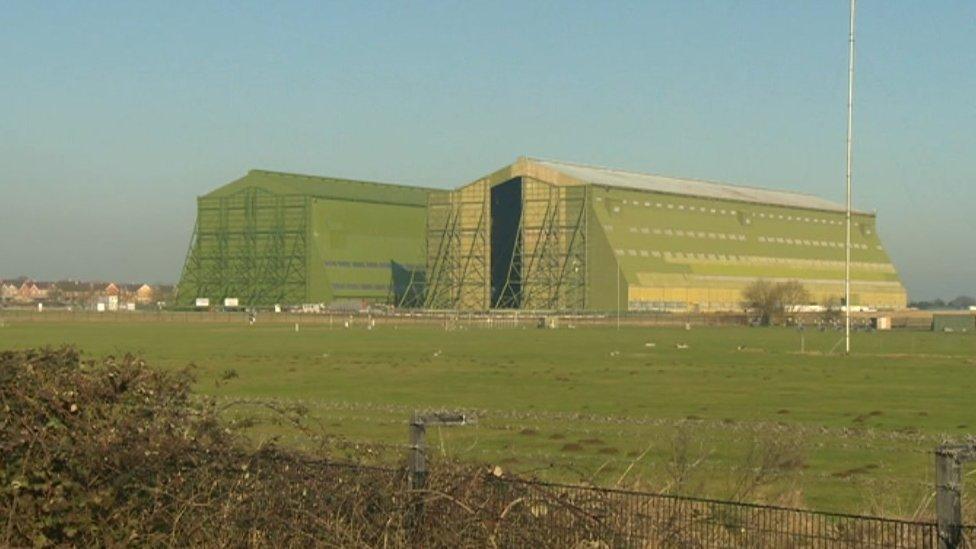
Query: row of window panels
{"type": "Point", "coordinates": [818, 243]}
{"type": "Point", "coordinates": [369, 264]}
{"type": "Point", "coordinates": [874, 299]}
{"type": "Point", "coordinates": [373, 287]}
{"type": "Point", "coordinates": [672, 306]}
{"type": "Point", "coordinates": [679, 232]}
{"type": "Point", "coordinates": [743, 238]}
{"type": "Point", "coordinates": [753, 259]}
{"type": "Point", "coordinates": [692, 226]}
{"type": "Point", "coordinates": [724, 211]}
{"type": "Point", "coordinates": [680, 294]}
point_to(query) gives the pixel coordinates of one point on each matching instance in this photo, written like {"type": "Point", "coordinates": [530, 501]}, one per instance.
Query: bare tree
{"type": "Point", "coordinates": [792, 295]}
{"type": "Point", "coordinates": [761, 298]}
{"type": "Point", "coordinates": [770, 300]}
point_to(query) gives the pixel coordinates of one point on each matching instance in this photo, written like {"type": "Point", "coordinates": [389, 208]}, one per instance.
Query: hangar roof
{"type": "Point", "coordinates": [326, 187]}
{"type": "Point", "coordinates": [691, 187]}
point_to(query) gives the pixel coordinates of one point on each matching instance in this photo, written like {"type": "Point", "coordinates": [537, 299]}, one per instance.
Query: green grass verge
{"type": "Point", "coordinates": [573, 404]}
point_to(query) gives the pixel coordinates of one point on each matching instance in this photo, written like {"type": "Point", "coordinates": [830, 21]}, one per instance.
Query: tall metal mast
{"type": "Point", "coordinates": [850, 141]}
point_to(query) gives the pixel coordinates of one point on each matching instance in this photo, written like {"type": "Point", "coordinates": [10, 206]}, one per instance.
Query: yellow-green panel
{"type": "Point", "coordinates": [356, 243]}
{"type": "Point", "coordinates": [704, 239]}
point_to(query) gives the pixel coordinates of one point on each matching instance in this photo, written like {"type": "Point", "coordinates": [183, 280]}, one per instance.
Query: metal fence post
{"type": "Point", "coordinates": [416, 472]}
{"type": "Point", "coordinates": [417, 461]}
{"type": "Point", "coordinates": [948, 496]}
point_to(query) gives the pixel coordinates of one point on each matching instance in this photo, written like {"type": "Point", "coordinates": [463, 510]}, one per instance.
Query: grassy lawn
{"type": "Point", "coordinates": [596, 404]}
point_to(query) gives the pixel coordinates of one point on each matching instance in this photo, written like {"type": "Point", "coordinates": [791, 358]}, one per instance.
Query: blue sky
{"type": "Point", "coordinates": [114, 116]}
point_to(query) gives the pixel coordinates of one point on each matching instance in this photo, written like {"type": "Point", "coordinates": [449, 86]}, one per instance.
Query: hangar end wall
{"type": "Point", "coordinates": [273, 238]}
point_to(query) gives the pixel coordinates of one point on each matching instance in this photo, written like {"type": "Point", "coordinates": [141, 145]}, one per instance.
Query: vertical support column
{"type": "Point", "coordinates": [948, 497]}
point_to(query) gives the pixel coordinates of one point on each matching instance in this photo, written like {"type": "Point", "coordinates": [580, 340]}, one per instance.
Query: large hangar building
{"type": "Point", "coordinates": [548, 235]}
{"type": "Point", "coordinates": [277, 238]}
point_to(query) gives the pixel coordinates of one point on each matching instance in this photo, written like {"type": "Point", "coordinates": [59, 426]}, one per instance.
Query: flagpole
{"type": "Point", "coordinates": [850, 141]}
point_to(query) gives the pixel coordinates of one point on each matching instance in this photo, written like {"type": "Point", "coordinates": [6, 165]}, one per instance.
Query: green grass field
{"type": "Point", "coordinates": [595, 404]}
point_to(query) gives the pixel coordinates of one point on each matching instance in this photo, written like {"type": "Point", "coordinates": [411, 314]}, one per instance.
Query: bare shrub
{"type": "Point", "coordinates": [687, 454]}
{"type": "Point", "coordinates": [114, 453]}
{"type": "Point", "coordinates": [792, 295]}
{"type": "Point", "coordinates": [771, 457]}
{"type": "Point", "coordinates": [769, 300]}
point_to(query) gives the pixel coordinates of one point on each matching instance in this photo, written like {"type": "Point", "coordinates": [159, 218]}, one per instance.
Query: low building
{"type": "Point", "coordinates": [953, 322]}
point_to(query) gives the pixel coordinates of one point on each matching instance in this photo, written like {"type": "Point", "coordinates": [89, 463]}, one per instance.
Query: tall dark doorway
{"type": "Point", "coordinates": [506, 240]}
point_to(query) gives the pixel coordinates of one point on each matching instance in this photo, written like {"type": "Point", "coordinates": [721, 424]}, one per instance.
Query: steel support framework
{"type": "Point", "coordinates": [411, 295]}
{"type": "Point", "coordinates": [551, 273]}
{"type": "Point", "coordinates": [458, 249]}
{"type": "Point", "coordinates": [251, 245]}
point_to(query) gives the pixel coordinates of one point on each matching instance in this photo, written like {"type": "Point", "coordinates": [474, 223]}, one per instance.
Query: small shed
{"type": "Point", "coordinates": [881, 322]}
{"type": "Point", "coordinates": [953, 323]}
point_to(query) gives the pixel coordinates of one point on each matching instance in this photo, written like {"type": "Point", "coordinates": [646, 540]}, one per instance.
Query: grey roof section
{"type": "Point", "coordinates": [690, 187]}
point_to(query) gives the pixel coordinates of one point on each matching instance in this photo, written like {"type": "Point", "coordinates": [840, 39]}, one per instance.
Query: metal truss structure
{"type": "Point", "coordinates": [547, 268]}
{"type": "Point", "coordinates": [458, 249]}
{"type": "Point", "coordinates": [250, 245]}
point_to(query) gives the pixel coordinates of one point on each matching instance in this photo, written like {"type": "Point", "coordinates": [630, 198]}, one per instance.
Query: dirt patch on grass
{"type": "Point", "coordinates": [571, 447]}
{"type": "Point", "coordinates": [862, 470]}
{"type": "Point", "coordinates": [528, 432]}
{"type": "Point", "coordinates": [864, 417]}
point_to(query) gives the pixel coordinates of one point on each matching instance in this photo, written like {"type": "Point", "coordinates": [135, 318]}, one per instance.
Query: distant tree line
{"type": "Point", "coordinates": [961, 302]}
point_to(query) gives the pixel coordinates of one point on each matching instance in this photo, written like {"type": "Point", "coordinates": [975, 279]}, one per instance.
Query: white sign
{"type": "Point", "coordinates": [100, 307]}
{"type": "Point", "coordinates": [203, 302]}
{"type": "Point", "coordinates": [230, 302]}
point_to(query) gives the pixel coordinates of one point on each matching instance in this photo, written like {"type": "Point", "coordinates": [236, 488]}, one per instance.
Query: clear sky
{"type": "Point", "coordinates": [114, 116]}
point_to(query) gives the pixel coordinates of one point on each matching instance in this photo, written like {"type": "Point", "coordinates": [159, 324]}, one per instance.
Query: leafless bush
{"type": "Point", "coordinates": [116, 453]}
{"type": "Point", "coordinates": [770, 457]}
{"type": "Point", "coordinates": [770, 300]}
